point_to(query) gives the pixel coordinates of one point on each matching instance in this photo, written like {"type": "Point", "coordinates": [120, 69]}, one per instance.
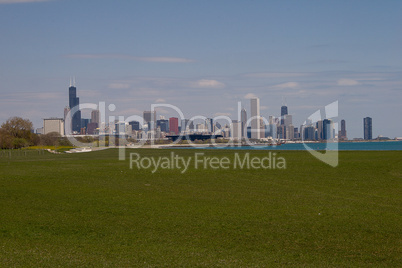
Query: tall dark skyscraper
{"type": "Point", "coordinates": [284, 111]}
{"type": "Point", "coordinates": [74, 101]}
{"type": "Point", "coordinates": [327, 129]}
{"type": "Point", "coordinates": [368, 128]}
{"type": "Point", "coordinates": [163, 124]}
{"type": "Point", "coordinates": [135, 125]}
{"type": "Point", "coordinates": [342, 133]}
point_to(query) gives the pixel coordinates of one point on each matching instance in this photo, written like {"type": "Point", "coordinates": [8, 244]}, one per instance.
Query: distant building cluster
{"type": "Point", "coordinates": [254, 127]}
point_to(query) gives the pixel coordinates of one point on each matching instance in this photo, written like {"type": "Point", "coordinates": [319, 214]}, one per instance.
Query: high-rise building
{"type": "Point", "coordinates": [66, 111]}
{"type": "Point", "coordinates": [135, 125]}
{"type": "Point", "coordinates": [287, 118]}
{"type": "Point", "coordinates": [150, 119]}
{"type": "Point", "coordinates": [53, 125]}
{"type": "Point", "coordinates": [201, 128]}
{"type": "Point", "coordinates": [74, 101]}
{"type": "Point", "coordinates": [290, 132]}
{"type": "Point", "coordinates": [255, 115]}
{"type": "Point", "coordinates": [296, 133]}
{"type": "Point", "coordinates": [243, 118]}
{"type": "Point", "coordinates": [262, 128]}
{"type": "Point", "coordinates": [319, 126]}
{"type": "Point", "coordinates": [174, 125]}
{"type": "Point", "coordinates": [308, 133]}
{"type": "Point", "coordinates": [272, 127]}
{"type": "Point", "coordinates": [368, 128]}
{"type": "Point", "coordinates": [236, 130]}
{"type": "Point", "coordinates": [209, 124]}
{"type": "Point", "coordinates": [284, 111]}
{"type": "Point", "coordinates": [85, 122]}
{"type": "Point", "coordinates": [342, 133]}
{"type": "Point", "coordinates": [191, 125]}
{"type": "Point", "coordinates": [185, 125]}
{"type": "Point", "coordinates": [327, 129]}
{"type": "Point", "coordinates": [281, 132]}
{"type": "Point", "coordinates": [95, 116]}
{"type": "Point", "coordinates": [163, 124]}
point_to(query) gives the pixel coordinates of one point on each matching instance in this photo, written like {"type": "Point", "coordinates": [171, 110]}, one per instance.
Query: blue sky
{"type": "Point", "coordinates": [204, 57]}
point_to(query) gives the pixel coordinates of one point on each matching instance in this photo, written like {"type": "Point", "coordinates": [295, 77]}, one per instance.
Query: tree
{"type": "Point", "coordinates": [18, 127]}
{"type": "Point", "coordinates": [6, 141]}
{"type": "Point", "coordinates": [50, 139]}
{"type": "Point", "coordinates": [16, 133]}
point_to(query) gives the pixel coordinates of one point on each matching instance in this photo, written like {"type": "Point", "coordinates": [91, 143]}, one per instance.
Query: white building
{"type": "Point", "coordinates": [53, 125]}
{"type": "Point", "coordinates": [288, 119]}
{"type": "Point", "coordinates": [236, 130]}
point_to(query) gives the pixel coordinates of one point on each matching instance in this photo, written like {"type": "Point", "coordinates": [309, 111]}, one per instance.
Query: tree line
{"type": "Point", "coordinates": [17, 133]}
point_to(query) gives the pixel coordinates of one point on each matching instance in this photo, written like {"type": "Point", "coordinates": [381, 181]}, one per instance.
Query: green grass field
{"type": "Point", "coordinates": [90, 209]}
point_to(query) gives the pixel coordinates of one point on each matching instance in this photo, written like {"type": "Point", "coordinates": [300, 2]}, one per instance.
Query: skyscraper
{"type": "Point", "coordinates": [287, 119]}
{"type": "Point", "coordinates": [135, 125]}
{"type": "Point", "coordinates": [209, 123]}
{"type": "Point", "coordinates": [342, 133]}
{"type": "Point", "coordinates": [368, 128]}
{"type": "Point", "coordinates": [95, 115]}
{"type": "Point", "coordinates": [66, 111]}
{"type": "Point", "coordinates": [327, 129]}
{"type": "Point", "coordinates": [150, 119]}
{"type": "Point", "coordinates": [74, 101]}
{"type": "Point", "coordinates": [284, 111]}
{"type": "Point", "coordinates": [185, 125]}
{"type": "Point", "coordinates": [163, 124]}
{"type": "Point", "coordinates": [236, 130]}
{"type": "Point", "coordinates": [174, 125]}
{"type": "Point", "coordinates": [243, 119]}
{"type": "Point", "coordinates": [319, 127]}
{"type": "Point", "coordinates": [255, 115]}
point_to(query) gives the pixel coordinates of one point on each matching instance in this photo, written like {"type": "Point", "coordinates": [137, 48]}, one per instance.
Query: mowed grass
{"type": "Point", "coordinates": [91, 209]}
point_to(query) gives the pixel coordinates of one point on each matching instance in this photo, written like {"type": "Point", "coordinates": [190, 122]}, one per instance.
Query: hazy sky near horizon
{"type": "Point", "coordinates": [204, 57]}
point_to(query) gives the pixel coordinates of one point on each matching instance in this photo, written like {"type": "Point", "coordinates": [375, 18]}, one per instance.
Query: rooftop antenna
{"type": "Point", "coordinates": [70, 82]}
{"type": "Point", "coordinates": [74, 81]}
{"type": "Point", "coordinates": [286, 102]}
{"type": "Point", "coordinates": [283, 103]}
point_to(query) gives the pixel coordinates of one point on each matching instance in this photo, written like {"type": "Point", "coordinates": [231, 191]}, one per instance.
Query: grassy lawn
{"type": "Point", "coordinates": [90, 209]}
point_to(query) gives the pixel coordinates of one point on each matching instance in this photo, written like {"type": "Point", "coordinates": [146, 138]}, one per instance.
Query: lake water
{"type": "Point", "coordinates": [342, 146]}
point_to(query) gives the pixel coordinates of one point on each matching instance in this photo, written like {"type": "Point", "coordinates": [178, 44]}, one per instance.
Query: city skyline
{"type": "Point", "coordinates": [257, 127]}
{"type": "Point", "coordinates": [204, 57]}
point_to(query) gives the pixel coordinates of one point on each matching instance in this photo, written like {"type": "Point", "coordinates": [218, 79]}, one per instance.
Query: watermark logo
{"type": "Point", "coordinates": [201, 161]}
{"type": "Point", "coordinates": [326, 130]}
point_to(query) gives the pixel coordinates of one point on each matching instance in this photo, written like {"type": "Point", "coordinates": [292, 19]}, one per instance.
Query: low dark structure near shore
{"type": "Point", "coordinates": [193, 137]}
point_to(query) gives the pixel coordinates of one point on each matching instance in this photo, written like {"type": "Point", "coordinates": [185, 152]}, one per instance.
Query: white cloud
{"type": "Point", "coordinates": [250, 96]}
{"type": "Point", "coordinates": [160, 100]}
{"type": "Point", "coordinates": [129, 57]}
{"type": "Point", "coordinates": [287, 85]}
{"type": "Point", "coordinates": [205, 83]}
{"type": "Point", "coordinates": [119, 85]}
{"type": "Point", "coordinates": [21, 1]}
{"type": "Point", "coordinates": [263, 108]}
{"type": "Point", "coordinates": [276, 75]}
{"type": "Point", "coordinates": [222, 114]}
{"type": "Point", "coordinates": [347, 82]}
